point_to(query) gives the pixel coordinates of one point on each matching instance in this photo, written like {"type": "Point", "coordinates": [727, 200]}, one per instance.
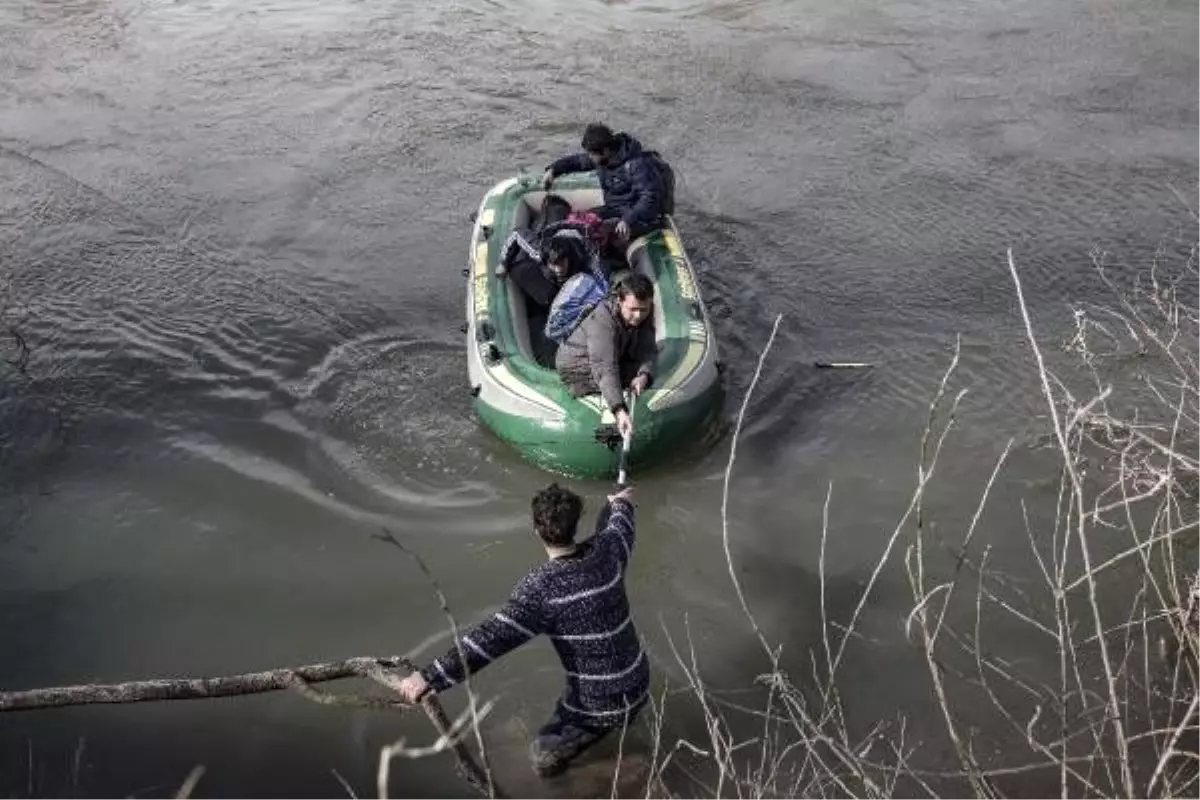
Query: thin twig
{"type": "Point", "coordinates": [301, 687]}
{"type": "Point", "coordinates": [189, 784]}
{"type": "Point", "coordinates": [1172, 750]}
{"type": "Point", "coordinates": [479, 778]}
{"type": "Point", "coordinates": [620, 757]}
{"type": "Point", "coordinates": [466, 765]}
{"type": "Point", "coordinates": [1085, 550]}
{"type": "Point", "coordinates": [450, 739]}
{"type": "Point", "coordinates": [737, 429]}
{"type": "Point", "coordinates": [345, 784]}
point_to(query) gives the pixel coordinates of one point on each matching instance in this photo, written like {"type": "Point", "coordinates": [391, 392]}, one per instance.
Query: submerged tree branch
{"type": "Point", "coordinates": [198, 688]}
{"type": "Point", "coordinates": [381, 670]}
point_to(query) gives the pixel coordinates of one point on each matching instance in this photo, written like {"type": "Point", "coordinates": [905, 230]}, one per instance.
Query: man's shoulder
{"type": "Point", "coordinates": [532, 585]}
{"type": "Point", "coordinates": [600, 320]}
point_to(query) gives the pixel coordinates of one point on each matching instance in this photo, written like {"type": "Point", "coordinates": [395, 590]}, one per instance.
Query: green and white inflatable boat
{"type": "Point", "coordinates": [526, 404]}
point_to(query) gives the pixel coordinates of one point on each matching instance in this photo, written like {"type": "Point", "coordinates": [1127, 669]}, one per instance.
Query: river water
{"type": "Point", "coordinates": [232, 236]}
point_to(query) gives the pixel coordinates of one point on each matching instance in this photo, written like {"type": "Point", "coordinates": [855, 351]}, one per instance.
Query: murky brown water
{"type": "Point", "coordinates": [232, 232]}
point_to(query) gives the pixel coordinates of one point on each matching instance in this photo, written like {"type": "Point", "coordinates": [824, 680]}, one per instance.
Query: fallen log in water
{"type": "Point", "coordinates": [381, 670]}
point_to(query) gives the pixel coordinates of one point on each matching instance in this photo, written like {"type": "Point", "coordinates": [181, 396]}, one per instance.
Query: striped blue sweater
{"type": "Point", "coordinates": [579, 602]}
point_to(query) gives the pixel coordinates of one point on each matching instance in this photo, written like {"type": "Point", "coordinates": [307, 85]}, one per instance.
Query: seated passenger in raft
{"type": "Point", "coordinates": [584, 284]}
{"type": "Point", "coordinates": [612, 348]}
{"type": "Point", "coordinates": [524, 260]}
{"type": "Point", "coordinates": [638, 185]}
{"type": "Point", "coordinates": [527, 259]}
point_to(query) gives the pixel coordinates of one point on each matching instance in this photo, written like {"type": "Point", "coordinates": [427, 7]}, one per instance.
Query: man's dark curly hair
{"type": "Point", "coordinates": [597, 138]}
{"type": "Point", "coordinates": [556, 513]}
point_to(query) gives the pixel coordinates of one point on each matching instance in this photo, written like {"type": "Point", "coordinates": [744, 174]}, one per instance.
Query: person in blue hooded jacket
{"type": "Point", "coordinates": [638, 185]}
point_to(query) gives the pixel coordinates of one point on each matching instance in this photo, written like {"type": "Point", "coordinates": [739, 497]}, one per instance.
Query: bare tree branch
{"type": "Point", "coordinates": [198, 688]}
{"type": "Point", "coordinates": [189, 784]}
{"type": "Point", "coordinates": [381, 670]}
{"type": "Point", "coordinates": [471, 771]}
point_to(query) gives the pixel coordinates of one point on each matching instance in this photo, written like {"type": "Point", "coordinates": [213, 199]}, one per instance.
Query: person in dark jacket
{"type": "Point", "coordinates": [577, 598]}
{"type": "Point", "coordinates": [638, 185]}
{"type": "Point", "coordinates": [525, 260]}
{"type": "Point", "coordinates": [612, 348]}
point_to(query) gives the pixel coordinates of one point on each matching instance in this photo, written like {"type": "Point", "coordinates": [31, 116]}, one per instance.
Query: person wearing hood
{"type": "Point", "coordinates": [524, 257]}
{"type": "Point", "coordinates": [638, 185]}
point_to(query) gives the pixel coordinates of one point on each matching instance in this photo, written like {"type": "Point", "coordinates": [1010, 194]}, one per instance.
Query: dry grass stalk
{"type": "Point", "coordinates": [478, 777]}
{"type": "Point", "coordinates": [189, 784]}
{"type": "Point", "coordinates": [450, 738]}
{"type": "Point", "coordinates": [737, 429]}
{"type": "Point", "coordinates": [346, 787]}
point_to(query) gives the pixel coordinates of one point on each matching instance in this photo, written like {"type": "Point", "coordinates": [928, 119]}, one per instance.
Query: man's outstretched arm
{"type": "Point", "coordinates": [509, 628]}
{"type": "Point", "coordinates": [616, 522]}
{"type": "Point", "coordinates": [575, 162]}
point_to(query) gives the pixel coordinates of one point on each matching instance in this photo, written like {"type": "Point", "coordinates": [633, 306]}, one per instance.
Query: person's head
{"type": "Point", "coordinates": [554, 209]}
{"type": "Point", "coordinates": [599, 143]}
{"type": "Point", "coordinates": [561, 256]}
{"type": "Point", "coordinates": [556, 513]}
{"type": "Point", "coordinates": [635, 299]}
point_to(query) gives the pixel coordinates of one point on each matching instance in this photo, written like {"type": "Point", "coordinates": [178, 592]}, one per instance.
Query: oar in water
{"type": "Point", "coordinates": [627, 440]}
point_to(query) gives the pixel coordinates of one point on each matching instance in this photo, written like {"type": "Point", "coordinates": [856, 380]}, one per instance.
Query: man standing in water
{"type": "Point", "coordinates": [577, 598]}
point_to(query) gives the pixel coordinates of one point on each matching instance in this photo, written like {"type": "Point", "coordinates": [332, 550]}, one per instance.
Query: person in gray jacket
{"type": "Point", "coordinates": [612, 348]}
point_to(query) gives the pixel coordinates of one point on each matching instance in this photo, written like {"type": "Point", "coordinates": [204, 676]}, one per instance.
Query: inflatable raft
{"type": "Point", "coordinates": [525, 403]}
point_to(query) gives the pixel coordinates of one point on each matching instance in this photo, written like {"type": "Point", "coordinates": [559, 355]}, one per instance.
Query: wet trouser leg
{"type": "Point", "coordinates": [563, 738]}
{"type": "Point", "coordinates": [528, 275]}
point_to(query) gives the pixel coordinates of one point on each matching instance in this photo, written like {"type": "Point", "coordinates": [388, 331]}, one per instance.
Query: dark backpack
{"type": "Point", "coordinates": [666, 180]}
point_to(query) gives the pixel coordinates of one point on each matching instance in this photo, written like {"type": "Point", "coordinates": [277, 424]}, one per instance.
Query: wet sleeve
{"type": "Point", "coordinates": [512, 626]}
{"type": "Point", "coordinates": [617, 519]}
